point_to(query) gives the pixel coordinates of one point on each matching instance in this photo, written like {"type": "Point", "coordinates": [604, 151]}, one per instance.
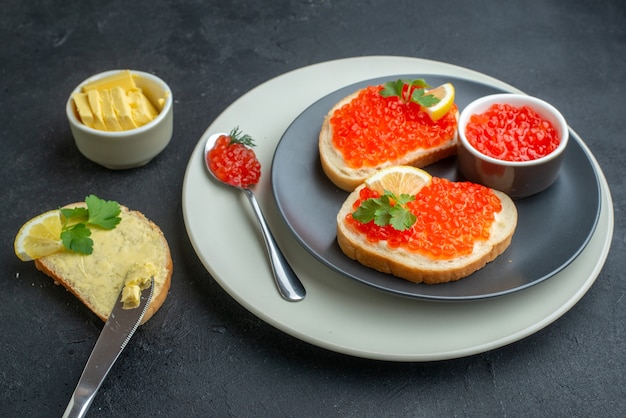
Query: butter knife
{"type": "Point", "coordinates": [116, 333]}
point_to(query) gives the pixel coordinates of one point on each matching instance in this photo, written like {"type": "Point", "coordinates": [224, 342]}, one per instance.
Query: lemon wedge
{"type": "Point", "coordinates": [400, 179]}
{"type": "Point", "coordinates": [39, 237]}
{"type": "Point", "coordinates": [445, 94]}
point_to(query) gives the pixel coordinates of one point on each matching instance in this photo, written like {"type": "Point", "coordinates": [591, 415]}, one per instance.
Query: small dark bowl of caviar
{"type": "Point", "coordinates": [511, 142]}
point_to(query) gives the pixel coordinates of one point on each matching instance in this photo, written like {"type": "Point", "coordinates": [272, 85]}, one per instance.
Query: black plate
{"type": "Point", "coordinates": [553, 226]}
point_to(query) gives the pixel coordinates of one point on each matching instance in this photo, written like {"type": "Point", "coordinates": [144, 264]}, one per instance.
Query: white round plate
{"type": "Point", "coordinates": [338, 313]}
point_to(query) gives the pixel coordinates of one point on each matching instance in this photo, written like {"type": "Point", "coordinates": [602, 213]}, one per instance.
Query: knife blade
{"type": "Point", "coordinates": [119, 328]}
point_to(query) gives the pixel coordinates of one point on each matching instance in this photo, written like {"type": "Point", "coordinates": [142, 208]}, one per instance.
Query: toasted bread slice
{"type": "Point", "coordinates": [420, 268]}
{"type": "Point", "coordinates": [97, 279]}
{"type": "Point", "coordinates": [347, 178]}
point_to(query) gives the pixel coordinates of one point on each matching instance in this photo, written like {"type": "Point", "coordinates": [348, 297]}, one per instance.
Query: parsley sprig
{"type": "Point", "coordinates": [387, 209]}
{"type": "Point", "coordinates": [238, 137]}
{"type": "Point", "coordinates": [77, 222]}
{"type": "Point", "coordinates": [416, 91]}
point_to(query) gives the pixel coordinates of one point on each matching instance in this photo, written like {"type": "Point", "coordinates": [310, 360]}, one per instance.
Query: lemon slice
{"type": "Point", "coordinates": [39, 236]}
{"type": "Point", "coordinates": [400, 179]}
{"type": "Point", "coordinates": [445, 94]}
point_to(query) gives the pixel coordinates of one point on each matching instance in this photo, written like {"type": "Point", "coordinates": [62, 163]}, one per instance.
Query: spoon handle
{"type": "Point", "coordinates": [289, 286]}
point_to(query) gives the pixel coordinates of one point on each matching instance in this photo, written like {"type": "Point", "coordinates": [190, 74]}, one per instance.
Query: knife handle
{"type": "Point", "coordinates": [119, 328]}
{"type": "Point", "coordinates": [104, 354]}
{"type": "Point", "coordinates": [79, 404]}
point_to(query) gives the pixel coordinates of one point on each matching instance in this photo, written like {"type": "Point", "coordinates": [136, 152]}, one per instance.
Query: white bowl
{"type": "Point", "coordinates": [130, 148]}
{"type": "Point", "coordinates": [516, 178]}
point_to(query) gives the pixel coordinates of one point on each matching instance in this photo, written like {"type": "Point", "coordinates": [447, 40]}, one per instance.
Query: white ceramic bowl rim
{"type": "Point", "coordinates": [540, 106]}
{"type": "Point", "coordinates": [69, 107]}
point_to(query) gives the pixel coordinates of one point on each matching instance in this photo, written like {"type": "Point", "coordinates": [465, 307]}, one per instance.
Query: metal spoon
{"type": "Point", "coordinates": [289, 286]}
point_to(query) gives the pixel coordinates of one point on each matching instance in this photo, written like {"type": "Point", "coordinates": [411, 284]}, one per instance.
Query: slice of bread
{"type": "Point", "coordinates": [420, 268]}
{"type": "Point", "coordinates": [347, 178]}
{"type": "Point", "coordinates": [97, 279]}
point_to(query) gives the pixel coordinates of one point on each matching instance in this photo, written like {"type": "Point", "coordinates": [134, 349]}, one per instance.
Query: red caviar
{"type": "Point", "coordinates": [510, 133]}
{"type": "Point", "coordinates": [372, 129]}
{"type": "Point", "coordinates": [451, 217]}
{"type": "Point", "coordinates": [234, 163]}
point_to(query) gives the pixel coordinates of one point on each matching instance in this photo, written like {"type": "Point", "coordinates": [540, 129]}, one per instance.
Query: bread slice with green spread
{"type": "Point", "coordinates": [123, 257]}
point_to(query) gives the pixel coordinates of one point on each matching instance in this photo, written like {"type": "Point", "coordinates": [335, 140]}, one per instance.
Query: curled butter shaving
{"type": "Point", "coordinates": [137, 279]}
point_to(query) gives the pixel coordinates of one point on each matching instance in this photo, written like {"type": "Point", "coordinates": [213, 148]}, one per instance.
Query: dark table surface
{"type": "Point", "coordinates": [203, 354]}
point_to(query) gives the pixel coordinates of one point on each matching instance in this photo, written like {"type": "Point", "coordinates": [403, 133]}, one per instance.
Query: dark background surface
{"type": "Point", "coordinates": [205, 355]}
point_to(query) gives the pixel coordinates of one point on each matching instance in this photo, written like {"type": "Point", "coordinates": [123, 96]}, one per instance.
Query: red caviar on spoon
{"type": "Point", "coordinates": [233, 161]}
{"type": "Point", "coordinates": [230, 160]}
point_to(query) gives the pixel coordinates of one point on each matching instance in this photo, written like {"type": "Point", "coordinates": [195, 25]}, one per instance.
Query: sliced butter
{"type": "Point", "coordinates": [121, 104]}
{"type": "Point", "coordinates": [115, 103]}
{"type": "Point", "coordinates": [82, 107]}
{"type": "Point", "coordinates": [142, 110]}
{"type": "Point", "coordinates": [123, 79]}
{"type": "Point", "coordinates": [95, 102]}
{"type": "Point", "coordinates": [108, 112]}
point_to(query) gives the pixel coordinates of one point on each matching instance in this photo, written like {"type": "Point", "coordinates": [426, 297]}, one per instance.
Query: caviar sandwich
{"type": "Point", "coordinates": [399, 123]}
{"type": "Point", "coordinates": [403, 222]}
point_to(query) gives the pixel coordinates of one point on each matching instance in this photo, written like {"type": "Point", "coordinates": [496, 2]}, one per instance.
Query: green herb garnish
{"type": "Point", "coordinates": [238, 137]}
{"type": "Point", "coordinates": [77, 222]}
{"type": "Point", "coordinates": [387, 209]}
{"type": "Point", "coordinates": [414, 93]}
